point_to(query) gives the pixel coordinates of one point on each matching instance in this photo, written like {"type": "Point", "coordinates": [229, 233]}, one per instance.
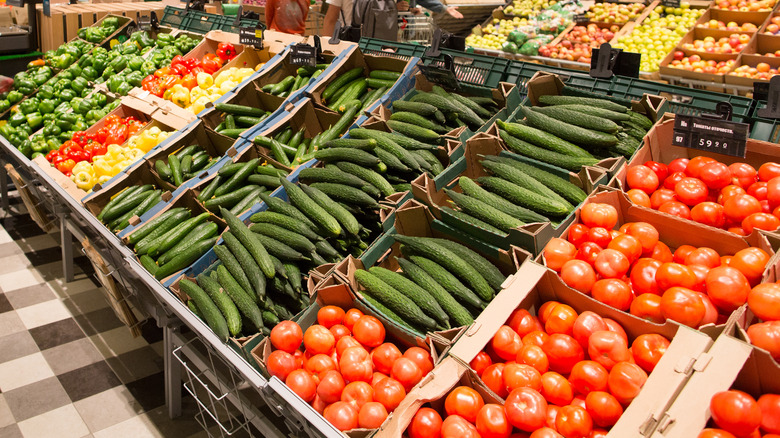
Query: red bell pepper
{"type": "Point", "coordinates": [226, 51]}
{"type": "Point", "coordinates": [211, 63]}
{"type": "Point", "coordinates": [80, 137]}
{"type": "Point", "coordinates": [95, 149]}
{"type": "Point", "coordinates": [66, 166]}
{"type": "Point", "coordinates": [52, 155]}
{"type": "Point", "coordinates": [189, 81]}
{"type": "Point", "coordinates": [116, 135]}
{"type": "Point", "coordinates": [134, 126]}
{"type": "Point", "coordinates": [179, 69]}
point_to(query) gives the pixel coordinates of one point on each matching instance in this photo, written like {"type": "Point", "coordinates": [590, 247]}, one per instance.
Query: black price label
{"type": "Point", "coordinates": [250, 36]}
{"type": "Point", "coordinates": [442, 76]}
{"type": "Point", "coordinates": [47, 8]}
{"type": "Point", "coordinates": [303, 54]}
{"type": "Point", "coordinates": [712, 135]}
{"type": "Point", "coordinates": [144, 22]}
{"type": "Point", "coordinates": [670, 3]}
{"type": "Point", "coordinates": [581, 18]}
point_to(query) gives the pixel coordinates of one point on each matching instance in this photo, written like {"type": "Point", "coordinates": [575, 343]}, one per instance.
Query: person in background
{"type": "Point", "coordinates": [288, 16]}
{"type": "Point", "coordinates": [436, 7]}
{"type": "Point", "coordinates": [341, 10]}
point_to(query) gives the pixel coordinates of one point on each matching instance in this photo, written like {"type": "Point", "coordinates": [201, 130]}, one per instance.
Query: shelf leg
{"type": "Point", "coordinates": [66, 241]}
{"type": "Point", "coordinates": [172, 373]}
{"type": "Point", "coordinates": [4, 188]}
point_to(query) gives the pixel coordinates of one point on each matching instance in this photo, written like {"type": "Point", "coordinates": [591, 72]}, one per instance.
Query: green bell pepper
{"type": "Point", "coordinates": [26, 83]}
{"type": "Point", "coordinates": [81, 125]}
{"type": "Point", "coordinates": [47, 106]}
{"type": "Point", "coordinates": [119, 63]}
{"type": "Point", "coordinates": [89, 73]}
{"type": "Point", "coordinates": [17, 119]}
{"type": "Point", "coordinates": [79, 84]}
{"type": "Point", "coordinates": [49, 118]}
{"type": "Point", "coordinates": [100, 100]}
{"type": "Point", "coordinates": [21, 75]}
{"type": "Point", "coordinates": [35, 120]}
{"type": "Point", "coordinates": [164, 39]}
{"type": "Point", "coordinates": [40, 79]}
{"type": "Point", "coordinates": [29, 105]}
{"type": "Point", "coordinates": [92, 115]}
{"type": "Point", "coordinates": [84, 61]}
{"type": "Point", "coordinates": [171, 51]}
{"type": "Point", "coordinates": [130, 49]}
{"type": "Point", "coordinates": [99, 63]}
{"type": "Point", "coordinates": [51, 130]}
{"type": "Point", "coordinates": [26, 91]}
{"type": "Point", "coordinates": [5, 105]}
{"type": "Point", "coordinates": [7, 130]}
{"type": "Point", "coordinates": [83, 106]}
{"type": "Point", "coordinates": [46, 91]}
{"type": "Point", "coordinates": [40, 146]}
{"type": "Point", "coordinates": [148, 68]}
{"type": "Point", "coordinates": [62, 108]}
{"type": "Point", "coordinates": [114, 83]}
{"type": "Point", "coordinates": [135, 63]}
{"type": "Point", "coordinates": [25, 148]}
{"type": "Point", "coordinates": [124, 88]}
{"type": "Point", "coordinates": [67, 95]}
{"type": "Point", "coordinates": [135, 78]}
{"type": "Point", "coordinates": [15, 96]}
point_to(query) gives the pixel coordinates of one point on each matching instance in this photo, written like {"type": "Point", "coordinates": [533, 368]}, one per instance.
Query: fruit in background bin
{"type": "Point", "coordinates": [528, 8]}
{"type": "Point", "coordinates": [618, 13]}
{"type": "Point", "coordinates": [578, 43]}
{"type": "Point", "coordinates": [773, 28]}
{"type": "Point", "coordinates": [734, 43]}
{"type": "Point", "coordinates": [746, 5]}
{"type": "Point", "coordinates": [730, 26]}
{"type": "Point", "coordinates": [762, 71]}
{"type": "Point", "coordinates": [694, 63]}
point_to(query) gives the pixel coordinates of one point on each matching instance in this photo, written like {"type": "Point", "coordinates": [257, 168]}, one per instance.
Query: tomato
{"type": "Point", "coordinates": [545, 432]}
{"type": "Point", "coordinates": [740, 206]}
{"type": "Point", "coordinates": [600, 236]}
{"type": "Point", "coordinates": [339, 331]}
{"type": "Point", "coordinates": [280, 364]}
{"type": "Point", "coordinates": [762, 221]}
{"type": "Point", "coordinates": [751, 262]}
{"type": "Point", "coordinates": [682, 252]}
{"type": "Point", "coordinates": [371, 415]}
{"type": "Point", "coordinates": [286, 336]}
{"type": "Point", "coordinates": [406, 372]}
{"type": "Point", "coordinates": [384, 356]}
{"type": "Point", "coordinates": [643, 276]}
{"type": "Point", "coordinates": [318, 339]}
{"type": "Point", "coordinates": [764, 301]}
{"type": "Point", "coordinates": [342, 415]}
{"type": "Point", "coordinates": [661, 197]}
{"type": "Point", "coordinates": [526, 409]}
{"type": "Point", "coordinates": [603, 408]}
{"type": "Point", "coordinates": [369, 331]}
{"type": "Point", "coordinates": [675, 208]}
{"type": "Point", "coordinates": [329, 316]}
{"type": "Point", "coordinates": [660, 169]}
{"type": "Point", "coordinates": [455, 426]}
{"type": "Point", "coordinates": [743, 174]}
{"type": "Point", "coordinates": [357, 393]}
{"type": "Point", "coordinates": [561, 317]}
{"type": "Point", "coordinates": [645, 233]}
{"type": "Point", "coordinates": [727, 288]}
{"type": "Point", "coordinates": [611, 263]}
{"type": "Point", "coordinates": [344, 343]}
{"type": "Point", "coordinates": [642, 178]}
{"type": "Point", "coordinates": [578, 275]}
{"type": "Point", "coordinates": [506, 343]}
{"type": "Point", "coordinates": [557, 252]}
{"type": "Point", "coordinates": [421, 358]}
{"type": "Point", "coordinates": [678, 165]}
{"type": "Point", "coordinates": [648, 349]}
{"type": "Point", "coordinates": [613, 292]}
{"type": "Point", "coordinates": [696, 164]}
{"type": "Point", "coordinates": [534, 356]}
{"type": "Point", "coordinates": [302, 384]}
{"type": "Point", "coordinates": [735, 412]}
{"type": "Point", "coordinates": [628, 245]}
{"type": "Point", "coordinates": [588, 252]}
{"type": "Point", "coordinates": [703, 256]}
{"type": "Point", "coordinates": [759, 190]}
{"type": "Point", "coordinates": [766, 335]}
{"type": "Point", "coordinates": [671, 181]}
{"type": "Point", "coordinates": [519, 375]}
{"type": "Point", "coordinates": [493, 377]}
{"type": "Point", "coordinates": [319, 364]}
{"type": "Point", "coordinates": [464, 401]}
{"type": "Point", "coordinates": [625, 381]}
{"type": "Point", "coordinates": [377, 377]}
{"type": "Point", "coordinates": [578, 234]}
{"type": "Point", "coordinates": [556, 389]}
{"type": "Point", "coordinates": [299, 357]}
{"type": "Point", "coordinates": [599, 215]}
{"type": "Point", "coordinates": [768, 171]}
{"type": "Point", "coordinates": [715, 433]}
{"type": "Point", "coordinates": [330, 387]}
{"type": "Point", "coordinates": [522, 322]}
{"type": "Point", "coordinates": [729, 191]}
{"type": "Point", "coordinates": [709, 213]}
{"type": "Point", "coordinates": [770, 412]}
{"type": "Point", "coordinates": [426, 423]}
{"type": "Point", "coordinates": [682, 305]}
{"type": "Point", "coordinates": [639, 198]}
{"type": "Point", "coordinates": [492, 422]}
{"type": "Point", "coordinates": [587, 376]}
{"type": "Point", "coordinates": [614, 326]}
{"type": "Point", "coordinates": [390, 393]}
{"type": "Point", "coordinates": [691, 191]}
{"type": "Point", "coordinates": [598, 433]}
{"type": "Point", "coordinates": [355, 365]}
{"type": "Point", "coordinates": [608, 348]}
{"type": "Point", "coordinates": [711, 314]}
{"type": "Point", "coordinates": [562, 352]}
{"type": "Point", "coordinates": [552, 412]}
{"type": "Point", "coordinates": [536, 337]}
{"type": "Point", "coordinates": [573, 422]}
{"type": "Point", "coordinates": [585, 325]}
{"type": "Point", "coordinates": [674, 274]}
{"type": "Point", "coordinates": [772, 191]}
{"type": "Point", "coordinates": [661, 252]}
{"type": "Point", "coordinates": [351, 317]}
{"type": "Point", "coordinates": [647, 307]}
{"type": "Point", "coordinates": [715, 175]}
{"type": "Point", "coordinates": [319, 405]}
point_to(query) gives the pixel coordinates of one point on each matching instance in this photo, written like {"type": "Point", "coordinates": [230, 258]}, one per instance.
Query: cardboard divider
{"type": "Point", "coordinates": [727, 17]}
{"type": "Point", "coordinates": [531, 237]}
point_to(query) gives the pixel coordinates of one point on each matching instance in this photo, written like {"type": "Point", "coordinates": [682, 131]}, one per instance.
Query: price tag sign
{"type": "Point", "coordinates": [581, 18]}
{"type": "Point", "coordinates": [250, 36]}
{"type": "Point", "coordinates": [442, 73]}
{"type": "Point", "coordinates": [671, 3]}
{"type": "Point", "coordinates": [712, 135]}
{"type": "Point", "coordinates": [144, 22]}
{"type": "Point", "coordinates": [303, 54]}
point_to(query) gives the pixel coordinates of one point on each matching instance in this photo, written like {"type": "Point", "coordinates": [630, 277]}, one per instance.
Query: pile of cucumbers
{"type": "Point", "coordinates": [572, 131]}
{"type": "Point", "coordinates": [353, 88]}
{"type": "Point", "coordinates": [238, 118]}
{"type": "Point", "coordinates": [442, 284]}
{"type": "Point", "coordinates": [238, 186]}
{"type": "Point", "coordinates": [292, 83]}
{"type": "Point", "coordinates": [513, 194]}
{"type": "Point", "coordinates": [184, 164]}
{"type": "Point", "coordinates": [132, 201]}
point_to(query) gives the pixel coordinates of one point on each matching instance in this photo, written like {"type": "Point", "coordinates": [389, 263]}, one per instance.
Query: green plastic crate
{"type": "Point", "coordinates": [228, 24]}
{"type": "Point", "coordinates": [173, 17]}
{"type": "Point", "coordinates": [392, 49]}
{"type": "Point", "coordinates": [202, 22]}
{"type": "Point", "coordinates": [764, 129]}
{"type": "Point", "coordinates": [472, 68]}
{"type": "Point", "coordinates": [520, 73]}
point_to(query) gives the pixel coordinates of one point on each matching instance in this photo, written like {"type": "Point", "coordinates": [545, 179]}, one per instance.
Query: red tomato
{"type": "Point", "coordinates": [639, 198]}
{"type": "Point", "coordinates": [357, 393]}
{"type": "Point", "coordinates": [661, 252]}
{"type": "Point", "coordinates": [715, 175]}
{"type": "Point", "coordinates": [319, 364]}
{"type": "Point", "coordinates": [545, 432]}
{"type": "Point", "coordinates": [351, 317]}
{"type": "Point", "coordinates": [493, 377]}
{"type": "Point", "coordinates": [329, 316]}
{"type": "Point", "coordinates": [735, 412]}
{"type": "Point", "coordinates": [536, 337]}
{"type": "Point", "coordinates": [678, 165]}
{"type": "Point", "coordinates": [630, 246]}
{"type": "Point", "coordinates": [330, 387]}
{"type": "Point", "coordinates": [613, 292]}
{"type": "Point", "coordinates": [560, 318]}
{"type": "Point", "coordinates": [642, 178]}
{"type": "Point", "coordinates": [743, 174]}
{"type": "Point", "coordinates": [280, 364]}
{"type": "Point", "coordinates": [339, 331]}
{"type": "Point", "coordinates": [302, 384]}
{"type": "Point", "coordinates": [464, 401]}
{"type": "Point", "coordinates": [421, 358]}
{"type": "Point", "coordinates": [377, 377]}
{"type": "Point", "coordinates": [751, 262]}
{"type": "Point", "coordinates": [492, 422]}
{"type": "Point", "coordinates": [506, 343]}
{"type": "Point", "coordinates": [406, 372]}
{"type": "Point", "coordinates": [768, 171]}
{"type": "Point", "coordinates": [369, 331]}
{"type": "Point", "coordinates": [703, 256]}
{"type": "Point", "coordinates": [562, 352]}
{"type": "Point", "coordinates": [675, 208]}
{"type": "Point", "coordinates": [318, 339]}
{"type": "Point", "coordinates": [371, 415]}
{"type": "Point", "coordinates": [674, 274]}
{"type": "Point", "coordinates": [384, 356]}
{"type": "Point", "coordinates": [661, 197]}
{"type": "Point", "coordinates": [762, 221]}
{"type": "Point", "coordinates": [691, 191]}
{"type": "Point", "coordinates": [342, 415]}
{"type": "Point", "coordinates": [764, 301]}
{"type": "Point", "coordinates": [578, 275]}
{"type": "Point", "coordinates": [599, 215]}
{"type": "Point", "coordinates": [758, 190]}
{"type": "Point", "coordinates": [286, 336]}
{"type": "Point", "coordinates": [611, 263]}
{"type": "Point", "coordinates": [344, 343]}
{"type": "Point", "coordinates": [660, 169]}
{"type": "Point", "coordinates": [727, 288]}
{"type": "Point", "coordinates": [729, 191]}
{"type": "Point", "coordinates": [573, 422]}
{"type": "Point", "coordinates": [671, 181]}
{"type": "Point", "coordinates": [625, 381]}
{"type": "Point", "coordinates": [456, 426]}
{"type": "Point", "coordinates": [772, 191]}
{"type": "Point", "coordinates": [614, 326]}
{"type": "Point", "coordinates": [643, 276]}
{"type": "Point", "coordinates": [578, 234]}
{"type": "Point", "coordinates": [608, 348]}
{"type": "Point", "coordinates": [426, 423]}
{"type": "Point", "coordinates": [356, 365]}
{"type": "Point", "coordinates": [319, 405]}
{"type": "Point", "coordinates": [518, 375]}
{"type": "Point", "coordinates": [552, 412]}
{"type": "Point", "coordinates": [588, 252]}
{"type": "Point", "coordinates": [710, 311]}
{"type": "Point", "coordinates": [696, 164]}
{"type": "Point", "coordinates": [740, 206]}
{"type": "Point", "coordinates": [645, 233]}
{"type": "Point", "coordinates": [526, 409]}
{"type": "Point", "coordinates": [603, 408]}
{"type": "Point", "coordinates": [715, 433]}
{"type": "Point", "coordinates": [556, 389]}
{"type": "Point", "coordinates": [766, 335]}
{"type": "Point", "coordinates": [682, 252]}
{"type": "Point", "coordinates": [534, 356]}
{"type": "Point", "coordinates": [557, 252]}
{"type": "Point", "coordinates": [647, 350]}
{"type": "Point", "coordinates": [598, 433]}
{"type": "Point", "coordinates": [647, 307]}
{"type": "Point", "coordinates": [390, 393]}
{"type": "Point", "coordinates": [770, 412]}
{"type": "Point", "coordinates": [600, 236]}
{"type": "Point", "coordinates": [585, 325]}
{"type": "Point", "coordinates": [587, 376]}
{"type": "Point", "coordinates": [682, 305]}
{"type": "Point", "coordinates": [522, 322]}
{"type": "Point", "coordinates": [709, 213]}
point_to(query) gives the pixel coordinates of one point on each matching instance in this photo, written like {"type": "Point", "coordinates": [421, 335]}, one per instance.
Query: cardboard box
{"type": "Point", "coordinates": [531, 237]}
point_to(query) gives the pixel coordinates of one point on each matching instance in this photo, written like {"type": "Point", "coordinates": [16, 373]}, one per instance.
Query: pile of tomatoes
{"type": "Point", "coordinates": [764, 302]}
{"type": "Point", "coordinates": [736, 197]}
{"type": "Point", "coordinates": [632, 270]}
{"type": "Point", "coordinates": [347, 372]}
{"type": "Point", "coordinates": [561, 374]}
{"type": "Point", "coordinates": [737, 414]}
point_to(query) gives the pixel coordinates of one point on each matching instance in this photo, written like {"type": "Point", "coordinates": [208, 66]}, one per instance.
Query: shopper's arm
{"type": "Point", "coordinates": [432, 5]}
{"type": "Point", "coordinates": [270, 10]}
{"type": "Point", "coordinates": [331, 17]}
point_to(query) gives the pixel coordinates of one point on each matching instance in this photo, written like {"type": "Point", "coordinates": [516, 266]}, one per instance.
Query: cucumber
{"type": "Point", "coordinates": [223, 302]}
{"type": "Point", "coordinates": [279, 249]}
{"type": "Point", "coordinates": [394, 300]}
{"type": "Point", "coordinates": [232, 133]}
{"type": "Point", "coordinates": [351, 143]}
{"type": "Point", "coordinates": [268, 170]}
{"type": "Point", "coordinates": [575, 134]}
{"type": "Point", "coordinates": [126, 204]}
{"type": "Point", "coordinates": [418, 120]}
{"type": "Point", "coordinates": [473, 189]}
{"type": "Point", "coordinates": [350, 195]}
{"type": "Point", "coordinates": [473, 106]}
{"type": "Point", "coordinates": [208, 192]}
{"type": "Point", "coordinates": [547, 156]}
{"type": "Point", "coordinates": [470, 220]}
{"type": "Point", "coordinates": [278, 206]}
{"type": "Point", "coordinates": [249, 200]}
{"type": "Point", "coordinates": [286, 222]}
{"type": "Point", "coordinates": [163, 170]}
{"type": "Point", "coordinates": [206, 306]}
{"type": "Point", "coordinates": [428, 157]}
{"type": "Point", "coordinates": [640, 120]}
{"type": "Point", "coordinates": [385, 75]}
{"type": "Point", "coordinates": [318, 174]}
{"type": "Point", "coordinates": [352, 92]}
{"type": "Point", "coordinates": [567, 190]}
{"type": "Point", "coordinates": [486, 268]}
{"type": "Point", "coordinates": [117, 199]}
{"type": "Point", "coordinates": [272, 182]}
{"type": "Point", "coordinates": [230, 169]}
{"type": "Point", "coordinates": [148, 263]}
{"type": "Point", "coordinates": [144, 230]}
{"type": "Point", "coordinates": [347, 220]}
{"type": "Point", "coordinates": [408, 142]}
{"type": "Point", "coordinates": [372, 97]}
{"type": "Point", "coordinates": [326, 249]}
{"type": "Point", "coordinates": [152, 199]}
{"type": "Point", "coordinates": [239, 110]}
{"type": "Point", "coordinates": [203, 231]}
{"type": "Point", "coordinates": [200, 162]}
{"type": "Point", "coordinates": [143, 245]}
{"type": "Point", "coordinates": [248, 122]}
{"type": "Point", "coordinates": [239, 177]}
{"type": "Point", "coordinates": [248, 264]}
{"type": "Point", "coordinates": [230, 199]}
{"type": "Point", "coordinates": [240, 297]}
{"type": "Point", "coordinates": [579, 92]}
{"type": "Point", "coordinates": [484, 211]}
{"type": "Point", "coordinates": [185, 259]}
{"type": "Point", "coordinates": [311, 209]}
{"type": "Point", "coordinates": [230, 122]}
{"type": "Point", "coordinates": [550, 99]}
{"type": "Point", "coordinates": [517, 176]}
{"type": "Point", "coordinates": [189, 150]}
{"type": "Point", "coordinates": [356, 156]}
{"type": "Point", "coordinates": [465, 113]}
{"type": "Point", "coordinates": [341, 125]}
{"type": "Point", "coordinates": [380, 83]}
{"type": "Point", "coordinates": [176, 173]}
{"type": "Point", "coordinates": [448, 281]}
{"type": "Point", "coordinates": [579, 119]}
{"type": "Point", "coordinates": [294, 276]}
{"type": "Point", "coordinates": [232, 265]}
{"type": "Point", "coordinates": [283, 85]}
{"type": "Point", "coordinates": [391, 162]}
{"type": "Point", "coordinates": [456, 312]}
{"type": "Point", "coordinates": [250, 242]}
{"type": "Point", "coordinates": [367, 175]}
{"type": "Point", "coordinates": [597, 112]}
{"type": "Point", "coordinates": [340, 81]}
{"type": "Point", "coordinates": [543, 139]}
{"type": "Point", "coordinates": [420, 108]}
{"type": "Point", "coordinates": [522, 196]}
{"type": "Point", "coordinates": [413, 131]}
{"type": "Point", "coordinates": [172, 237]}
{"type": "Point", "coordinates": [417, 294]}
{"type": "Point", "coordinates": [386, 143]}
{"type": "Point", "coordinates": [390, 315]}
{"type": "Point", "coordinates": [292, 239]}
{"type": "Point", "coordinates": [186, 165]}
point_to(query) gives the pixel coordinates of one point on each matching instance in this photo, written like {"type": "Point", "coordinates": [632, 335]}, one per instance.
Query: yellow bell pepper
{"type": "Point", "coordinates": [103, 179]}
{"type": "Point", "coordinates": [227, 86]}
{"type": "Point", "coordinates": [84, 180]}
{"type": "Point", "coordinates": [205, 80]}
{"type": "Point", "coordinates": [102, 168]}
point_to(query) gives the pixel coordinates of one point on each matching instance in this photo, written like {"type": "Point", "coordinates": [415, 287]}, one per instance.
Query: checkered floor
{"type": "Point", "coordinates": [68, 367]}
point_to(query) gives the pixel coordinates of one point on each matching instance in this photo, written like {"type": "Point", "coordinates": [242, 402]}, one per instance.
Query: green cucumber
{"type": "Point", "coordinates": [172, 237]}
{"type": "Point", "coordinates": [232, 265]}
{"type": "Point", "coordinates": [526, 149]}
{"type": "Point", "coordinates": [223, 302]}
{"type": "Point", "coordinates": [208, 192]}
{"type": "Point", "coordinates": [448, 281]}
{"type": "Point", "coordinates": [250, 242]}
{"type": "Point", "coordinates": [205, 230]}
{"type": "Point", "coordinates": [185, 259]}
{"type": "Point", "coordinates": [484, 211]}
{"type": "Point", "coordinates": [144, 230]}
{"type": "Point", "coordinates": [207, 308]}
{"type": "Point", "coordinates": [290, 223]}
{"type": "Point", "coordinates": [575, 134]}
{"type": "Point", "coordinates": [394, 300]}
{"type": "Point", "coordinates": [151, 238]}
{"type": "Point", "coordinates": [420, 296]}
{"type": "Point", "coordinates": [163, 170]}
{"type": "Point", "coordinates": [245, 304]}
{"type": "Point", "coordinates": [346, 219]}
{"type": "Point", "coordinates": [248, 264]}
{"type": "Point", "coordinates": [237, 178]}
{"type": "Point", "coordinates": [456, 312]}
{"type": "Point", "coordinates": [311, 209]}
{"type": "Point", "coordinates": [176, 173]}
{"type": "Point", "coordinates": [543, 139]}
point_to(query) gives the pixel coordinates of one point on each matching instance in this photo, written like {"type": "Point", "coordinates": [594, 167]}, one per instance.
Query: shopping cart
{"type": "Point", "coordinates": [415, 28]}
